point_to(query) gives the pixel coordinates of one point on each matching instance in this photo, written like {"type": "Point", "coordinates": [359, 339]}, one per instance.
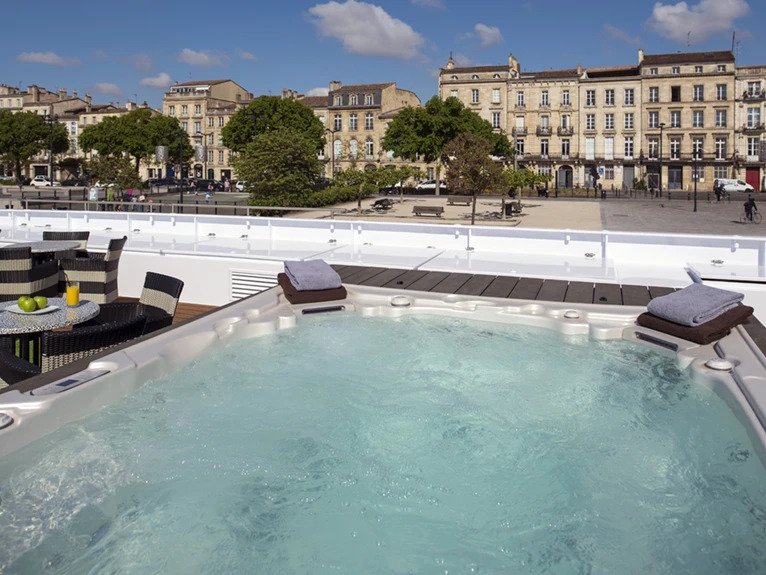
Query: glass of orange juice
{"type": "Point", "coordinates": [72, 293]}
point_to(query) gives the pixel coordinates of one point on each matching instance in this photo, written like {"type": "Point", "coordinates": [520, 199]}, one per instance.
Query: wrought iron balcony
{"type": "Point", "coordinates": [753, 128]}
{"type": "Point", "coordinates": [565, 131]}
{"type": "Point", "coordinates": [543, 131]}
{"type": "Point", "coordinates": [754, 96]}
{"type": "Point", "coordinates": [519, 131]}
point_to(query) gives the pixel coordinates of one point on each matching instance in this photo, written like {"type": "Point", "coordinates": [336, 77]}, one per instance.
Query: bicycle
{"type": "Point", "coordinates": [755, 219]}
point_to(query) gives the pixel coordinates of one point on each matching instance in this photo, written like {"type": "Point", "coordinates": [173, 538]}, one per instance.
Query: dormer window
{"type": "Point", "coordinates": [676, 69]}
{"type": "Point", "coordinates": [368, 99]}
{"type": "Point", "coordinates": [722, 67]}
{"type": "Point", "coordinates": [353, 100]}
{"type": "Point", "coordinates": [453, 77]}
{"type": "Point", "coordinates": [496, 76]}
{"type": "Point", "coordinates": [475, 77]}
{"type": "Point", "coordinates": [336, 101]}
{"type": "Point", "coordinates": [653, 71]}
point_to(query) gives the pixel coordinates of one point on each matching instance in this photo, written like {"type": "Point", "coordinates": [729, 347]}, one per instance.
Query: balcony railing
{"type": "Point", "coordinates": [519, 131]}
{"type": "Point", "coordinates": [752, 96]}
{"type": "Point", "coordinates": [753, 128]}
{"type": "Point", "coordinates": [543, 131]}
{"type": "Point", "coordinates": [565, 130]}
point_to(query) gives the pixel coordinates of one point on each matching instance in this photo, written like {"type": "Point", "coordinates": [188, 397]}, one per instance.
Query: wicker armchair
{"type": "Point", "coordinates": [97, 273]}
{"type": "Point", "coordinates": [158, 303]}
{"type": "Point", "coordinates": [61, 348]}
{"type": "Point", "coordinates": [82, 237]}
{"type": "Point", "coordinates": [19, 276]}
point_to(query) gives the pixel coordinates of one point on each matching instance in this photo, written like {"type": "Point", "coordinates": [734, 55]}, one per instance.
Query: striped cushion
{"type": "Point", "coordinates": [81, 237]}
{"type": "Point", "coordinates": [97, 275]}
{"type": "Point", "coordinates": [18, 277]}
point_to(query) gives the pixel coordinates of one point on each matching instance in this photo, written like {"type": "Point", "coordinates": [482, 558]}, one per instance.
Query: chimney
{"type": "Point", "coordinates": [88, 101]}
{"type": "Point", "coordinates": [450, 63]}
{"type": "Point", "coordinates": [640, 55]}
{"type": "Point", "coordinates": [34, 92]}
{"type": "Point", "coordinates": [514, 65]}
{"type": "Point", "coordinates": [335, 85]}
{"type": "Point", "coordinates": [580, 70]}
{"type": "Point", "coordinates": [74, 93]}
{"type": "Point", "coordinates": [62, 93]}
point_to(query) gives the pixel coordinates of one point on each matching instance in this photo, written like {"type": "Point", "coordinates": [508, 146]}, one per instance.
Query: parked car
{"type": "Point", "coordinates": [730, 185]}
{"type": "Point", "coordinates": [43, 182]}
{"type": "Point", "coordinates": [203, 185]}
{"type": "Point", "coordinates": [431, 185]}
{"type": "Point", "coordinates": [240, 185]}
{"type": "Point", "coordinates": [74, 182]}
{"type": "Point", "coordinates": [23, 180]}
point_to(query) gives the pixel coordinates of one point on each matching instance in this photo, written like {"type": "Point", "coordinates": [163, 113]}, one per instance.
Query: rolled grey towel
{"type": "Point", "coordinates": [312, 275]}
{"type": "Point", "coordinates": [694, 305]}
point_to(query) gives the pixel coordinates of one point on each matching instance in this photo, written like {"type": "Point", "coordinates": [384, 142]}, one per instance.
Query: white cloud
{"type": "Point", "coordinates": [247, 55]}
{"type": "Point", "coordinates": [462, 61]}
{"type": "Point", "coordinates": [429, 3]}
{"type": "Point", "coordinates": [142, 62]}
{"type": "Point", "coordinates": [201, 58]}
{"type": "Point", "coordinates": [621, 35]}
{"type": "Point", "coordinates": [702, 20]}
{"type": "Point", "coordinates": [161, 80]}
{"type": "Point", "coordinates": [50, 58]}
{"type": "Point", "coordinates": [318, 91]}
{"type": "Point", "coordinates": [366, 29]}
{"type": "Point", "coordinates": [488, 35]}
{"type": "Point", "coordinates": [107, 88]}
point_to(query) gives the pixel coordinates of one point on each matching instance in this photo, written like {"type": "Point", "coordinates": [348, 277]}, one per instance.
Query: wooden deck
{"type": "Point", "coordinates": [184, 312]}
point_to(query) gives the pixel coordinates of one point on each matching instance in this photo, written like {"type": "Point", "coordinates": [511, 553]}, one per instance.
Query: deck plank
{"type": "Point", "coordinates": [476, 285]}
{"type": "Point", "coordinates": [383, 278]}
{"type": "Point", "coordinates": [553, 290]}
{"type": "Point", "coordinates": [579, 292]}
{"type": "Point", "coordinates": [501, 286]}
{"type": "Point", "coordinates": [451, 283]}
{"type": "Point", "coordinates": [347, 271]}
{"type": "Point", "coordinates": [657, 291]}
{"type": "Point", "coordinates": [428, 281]}
{"type": "Point", "coordinates": [406, 279]}
{"type": "Point", "coordinates": [610, 294]}
{"type": "Point", "coordinates": [635, 295]}
{"type": "Point", "coordinates": [526, 288]}
{"type": "Point", "coordinates": [363, 275]}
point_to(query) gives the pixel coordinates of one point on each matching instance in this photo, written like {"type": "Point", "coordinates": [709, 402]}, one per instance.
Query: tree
{"type": "Point", "coordinates": [268, 113]}
{"type": "Point", "coordinates": [282, 162]}
{"type": "Point", "coordinates": [24, 135]}
{"type": "Point", "coordinates": [426, 131]}
{"type": "Point", "coordinates": [116, 170]}
{"type": "Point", "coordinates": [471, 170]}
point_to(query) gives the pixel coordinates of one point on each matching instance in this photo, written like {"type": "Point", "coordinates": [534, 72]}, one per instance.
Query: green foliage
{"type": "Point", "coordinates": [333, 195]}
{"type": "Point", "coordinates": [520, 178]}
{"type": "Point", "coordinates": [113, 170]}
{"type": "Point", "coordinates": [279, 163]}
{"type": "Point", "coordinates": [470, 170]}
{"type": "Point", "coordinates": [136, 134]}
{"type": "Point", "coordinates": [73, 166]}
{"type": "Point", "coordinates": [639, 184]}
{"type": "Point", "coordinates": [26, 134]}
{"type": "Point", "coordinates": [271, 113]}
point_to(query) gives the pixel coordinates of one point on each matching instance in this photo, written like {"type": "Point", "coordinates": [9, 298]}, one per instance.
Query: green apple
{"type": "Point", "coordinates": [41, 301]}
{"type": "Point", "coordinates": [27, 304]}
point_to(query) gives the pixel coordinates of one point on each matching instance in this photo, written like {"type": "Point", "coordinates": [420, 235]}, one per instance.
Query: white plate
{"type": "Point", "coordinates": [16, 309]}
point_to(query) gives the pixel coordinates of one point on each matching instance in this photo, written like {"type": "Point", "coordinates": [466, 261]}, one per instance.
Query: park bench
{"type": "Point", "coordinates": [466, 200]}
{"type": "Point", "coordinates": [428, 210]}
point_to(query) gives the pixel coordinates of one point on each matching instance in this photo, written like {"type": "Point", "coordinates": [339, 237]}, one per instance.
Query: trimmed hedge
{"type": "Point", "coordinates": [317, 199]}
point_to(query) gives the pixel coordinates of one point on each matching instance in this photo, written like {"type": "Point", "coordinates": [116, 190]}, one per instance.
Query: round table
{"type": "Point", "coordinates": [49, 246]}
{"type": "Point", "coordinates": [17, 323]}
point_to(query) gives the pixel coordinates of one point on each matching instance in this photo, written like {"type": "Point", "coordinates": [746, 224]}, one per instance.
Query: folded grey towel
{"type": "Point", "coordinates": [694, 305]}
{"type": "Point", "coordinates": [312, 275]}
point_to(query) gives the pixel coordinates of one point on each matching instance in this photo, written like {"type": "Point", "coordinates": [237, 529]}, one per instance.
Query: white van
{"type": "Point", "coordinates": [729, 185]}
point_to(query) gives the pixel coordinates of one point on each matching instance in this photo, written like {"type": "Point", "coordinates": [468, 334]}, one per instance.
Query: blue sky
{"type": "Point", "coordinates": [121, 51]}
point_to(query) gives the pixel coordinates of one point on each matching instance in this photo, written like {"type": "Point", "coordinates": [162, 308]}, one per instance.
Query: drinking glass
{"type": "Point", "coordinates": [72, 293]}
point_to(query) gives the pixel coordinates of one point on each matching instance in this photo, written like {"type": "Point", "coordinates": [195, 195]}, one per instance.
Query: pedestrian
{"type": "Point", "coordinates": [226, 185]}
{"type": "Point", "coordinates": [208, 196]}
{"type": "Point", "coordinates": [750, 207]}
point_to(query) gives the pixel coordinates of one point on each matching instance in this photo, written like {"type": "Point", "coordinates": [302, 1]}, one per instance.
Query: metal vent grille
{"type": "Point", "coordinates": [245, 283]}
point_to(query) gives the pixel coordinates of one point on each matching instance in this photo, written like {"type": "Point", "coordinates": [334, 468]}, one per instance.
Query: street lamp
{"type": "Point", "coordinates": [51, 121]}
{"type": "Point", "coordinates": [332, 150]}
{"type": "Point", "coordinates": [659, 177]}
{"type": "Point", "coordinates": [201, 137]}
{"type": "Point", "coordinates": [695, 174]}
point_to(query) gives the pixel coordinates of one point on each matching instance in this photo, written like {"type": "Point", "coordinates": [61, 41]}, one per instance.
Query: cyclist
{"type": "Point", "coordinates": [749, 207]}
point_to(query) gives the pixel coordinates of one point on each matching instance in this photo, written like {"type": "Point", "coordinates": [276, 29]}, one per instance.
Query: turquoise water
{"type": "Point", "coordinates": [421, 445]}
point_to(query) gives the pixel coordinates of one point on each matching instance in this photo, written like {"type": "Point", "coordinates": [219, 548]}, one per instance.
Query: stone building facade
{"type": "Point", "coordinates": [670, 119]}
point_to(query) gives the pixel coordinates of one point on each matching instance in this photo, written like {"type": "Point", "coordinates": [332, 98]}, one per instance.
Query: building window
{"type": "Point", "coordinates": [474, 96]}
{"type": "Point", "coordinates": [220, 156]}
{"type": "Point", "coordinates": [209, 156]}
{"type": "Point", "coordinates": [676, 70]}
{"type": "Point", "coordinates": [352, 122]}
{"type": "Point", "coordinates": [336, 100]}
{"type": "Point", "coordinates": [609, 148]}
{"type": "Point", "coordinates": [184, 110]}
{"type": "Point", "coordinates": [171, 110]}
{"type": "Point", "coordinates": [495, 119]}
{"type": "Point", "coordinates": [544, 98]}
{"type": "Point", "coordinates": [353, 149]}
{"type": "Point", "coordinates": [675, 93]}
{"type": "Point", "coordinates": [369, 148]}
{"type": "Point", "coordinates": [653, 71]}
{"type": "Point", "coordinates": [720, 92]}
{"type": "Point", "coordinates": [720, 118]}
{"type": "Point", "coordinates": [368, 100]}
{"type": "Point", "coordinates": [337, 123]}
{"type": "Point", "coordinates": [519, 98]}
{"type": "Point", "coordinates": [337, 148]}
{"type": "Point", "coordinates": [520, 146]}
{"type": "Point", "coordinates": [197, 127]}
{"type": "Point", "coordinates": [544, 147]}
{"type": "Point", "coordinates": [720, 172]}
{"type": "Point", "coordinates": [753, 117]}
{"type": "Point", "coordinates": [629, 147]}
{"type": "Point", "coordinates": [590, 121]}
{"type": "Point", "coordinates": [722, 67]}
{"type": "Point", "coordinates": [453, 77]}
{"type": "Point", "coordinates": [720, 148]}
{"type": "Point", "coordinates": [654, 119]}
{"type": "Point", "coordinates": [697, 146]}
{"type": "Point", "coordinates": [675, 149]}
{"type": "Point", "coordinates": [629, 120]}
{"type": "Point", "coordinates": [185, 126]}
{"type": "Point", "coordinates": [609, 171]}
{"type": "Point", "coordinates": [752, 146]}
{"type": "Point", "coordinates": [609, 97]}
{"type": "Point", "coordinates": [698, 69]}
{"type": "Point", "coordinates": [210, 122]}
{"type": "Point", "coordinates": [565, 97]}
{"type": "Point", "coordinates": [630, 96]}
{"type": "Point", "coordinates": [654, 147]}
{"type": "Point", "coordinates": [353, 100]}
{"type": "Point", "coordinates": [545, 122]}
{"type": "Point", "coordinates": [544, 171]}
{"type": "Point", "coordinates": [753, 88]}
{"type": "Point", "coordinates": [565, 121]}
{"type": "Point", "coordinates": [197, 109]}
{"type": "Point", "coordinates": [590, 148]}
{"type": "Point", "coordinates": [495, 95]}
{"type": "Point", "coordinates": [565, 148]}
{"type": "Point", "coordinates": [675, 118]}
{"type": "Point", "coordinates": [475, 77]}
{"type": "Point", "coordinates": [221, 121]}
{"type": "Point", "coordinates": [654, 94]}
{"type": "Point", "coordinates": [698, 93]}
{"type": "Point", "coordinates": [609, 121]}
{"type": "Point", "coordinates": [453, 93]}
{"type": "Point", "coordinates": [698, 118]}
{"type": "Point", "coordinates": [590, 97]}
{"type": "Point", "coordinates": [368, 121]}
